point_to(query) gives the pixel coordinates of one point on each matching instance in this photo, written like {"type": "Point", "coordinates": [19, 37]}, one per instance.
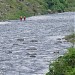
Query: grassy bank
{"type": "Point", "coordinates": [64, 65]}
{"type": "Point", "coordinates": [13, 9]}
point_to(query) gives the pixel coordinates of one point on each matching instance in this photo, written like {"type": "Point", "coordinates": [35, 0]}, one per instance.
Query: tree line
{"type": "Point", "coordinates": [57, 5]}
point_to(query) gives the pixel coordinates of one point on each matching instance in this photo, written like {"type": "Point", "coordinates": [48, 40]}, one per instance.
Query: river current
{"type": "Point", "coordinates": [28, 47]}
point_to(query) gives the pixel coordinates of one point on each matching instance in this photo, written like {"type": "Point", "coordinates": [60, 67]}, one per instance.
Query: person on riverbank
{"type": "Point", "coordinates": [20, 18]}
{"type": "Point", "coordinates": [24, 18]}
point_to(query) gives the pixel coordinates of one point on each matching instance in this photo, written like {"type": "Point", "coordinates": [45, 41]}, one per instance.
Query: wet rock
{"type": "Point", "coordinates": [49, 11]}
{"type": "Point", "coordinates": [33, 41]}
{"type": "Point", "coordinates": [33, 56]}
{"type": "Point", "coordinates": [63, 38]}
{"type": "Point", "coordinates": [59, 39]}
{"type": "Point", "coordinates": [15, 44]}
{"type": "Point", "coordinates": [10, 41]}
{"type": "Point", "coordinates": [24, 42]}
{"type": "Point", "coordinates": [9, 52]}
{"type": "Point", "coordinates": [20, 39]}
{"type": "Point", "coordinates": [56, 52]}
{"type": "Point", "coordinates": [31, 48]}
{"type": "Point", "coordinates": [28, 54]}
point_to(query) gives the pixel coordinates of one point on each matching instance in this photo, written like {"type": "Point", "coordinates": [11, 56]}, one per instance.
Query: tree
{"type": "Point", "coordinates": [57, 5]}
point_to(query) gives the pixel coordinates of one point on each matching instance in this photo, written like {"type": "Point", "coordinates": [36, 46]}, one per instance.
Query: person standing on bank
{"type": "Point", "coordinates": [20, 18]}
{"type": "Point", "coordinates": [24, 18]}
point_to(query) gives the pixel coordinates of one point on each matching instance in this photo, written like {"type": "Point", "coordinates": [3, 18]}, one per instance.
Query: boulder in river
{"type": "Point", "coordinates": [34, 41]}
{"type": "Point", "coordinates": [20, 39]}
{"type": "Point", "coordinates": [8, 52]}
{"type": "Point", "coordinates": [32, 56]}
{"type": "Point", "coordinates": [31, 48]}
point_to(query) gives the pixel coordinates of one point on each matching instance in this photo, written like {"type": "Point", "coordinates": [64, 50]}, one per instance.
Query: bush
{"type": "Point", "coordinates": [64, 65]}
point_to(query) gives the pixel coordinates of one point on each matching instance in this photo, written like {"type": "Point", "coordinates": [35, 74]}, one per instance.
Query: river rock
{"type": "Point", "coordinates": [8, 52]}
{"type": "Point", "coordinates": [31, 48]}
{"type": "Point", "coordinates": [33, 41]}
{"type": "Point", "coordinates": [20, 39]}
{"type": "Point", "coordinates": [32, 56]}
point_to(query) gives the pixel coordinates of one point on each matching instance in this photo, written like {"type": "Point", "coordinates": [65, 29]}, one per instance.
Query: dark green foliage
{"type": "Point", "coordinates": [57, 5]}
{"type": "Point", "coordinates": [50, 3]}
{"type": "Point", "coordinates": [70, 58]}
{"type": "Point", "coordinates": [64, 65]}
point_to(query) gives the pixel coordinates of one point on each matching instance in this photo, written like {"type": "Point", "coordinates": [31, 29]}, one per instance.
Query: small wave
{"type": "Point", "coordinates": [2, 23]}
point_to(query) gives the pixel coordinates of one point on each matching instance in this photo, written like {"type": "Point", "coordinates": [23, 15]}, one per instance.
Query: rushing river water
{"type": "Point", "coordinates": [28, 47]}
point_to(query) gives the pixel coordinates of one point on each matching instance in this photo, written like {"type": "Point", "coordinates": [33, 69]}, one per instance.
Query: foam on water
{"type": "Point", "coordinates": [2, 23]}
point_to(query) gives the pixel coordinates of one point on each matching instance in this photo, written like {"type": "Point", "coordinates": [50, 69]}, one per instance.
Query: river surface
{"type": "Point", "coordinates": [28, 47]}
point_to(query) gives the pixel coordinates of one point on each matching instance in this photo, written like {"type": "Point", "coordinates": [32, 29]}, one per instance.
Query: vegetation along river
{"type": "Point", "coordinates": [28, 47]}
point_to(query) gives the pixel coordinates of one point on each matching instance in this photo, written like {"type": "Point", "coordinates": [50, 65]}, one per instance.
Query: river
{"type": "Point", "coordinates": [28, 47]}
